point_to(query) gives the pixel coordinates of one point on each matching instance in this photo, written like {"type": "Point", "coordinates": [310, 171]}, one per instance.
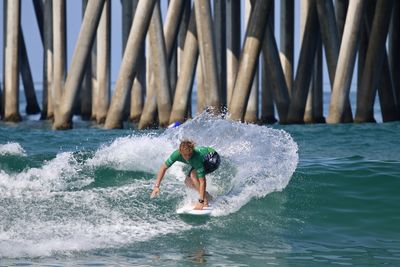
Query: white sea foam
{"type": "Point", "coordinates": [41, 215]}
{"type": "Point", "coordinates": [55, 175]}
{"type": "Point", "coordinates": [144, 153]}
{"type": "Point", "coordinates": [12, 149]}
{"type": "Point", "coordinates": [68, 222]}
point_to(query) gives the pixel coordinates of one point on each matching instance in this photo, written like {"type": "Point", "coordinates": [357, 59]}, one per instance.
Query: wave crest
{"type": "Point", "coordinates": [12, 149]}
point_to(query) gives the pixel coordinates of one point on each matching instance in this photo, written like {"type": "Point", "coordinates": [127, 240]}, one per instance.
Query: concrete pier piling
{"type": "Point", "coordinates": [148, 117]}
{"type": "Point", "coordinates": [86, 104]}
{"type": "Point", "coordinates": [341, 7]}
{"type": "Point", "coordinates": [168, 35]}
{"type": "Point", "coordinates": [373, 62]}
{"type": "Point", "coordinates": [346, 61]}
{"type": "Point", "coordinates": [201, 106]}
{"type": "Point", "coordinates": [220, 46]}
{"type": "Point", "coordinates": [138, 90]}
{"type": "Point", "coordinates": [90, 80]}
{"type": "Point", "coordinates": [385, 86]}
{"type": "Point", "coordinates": [207, 50]}
{"type": "Point", "coordinates": [304, 71]}
{"type": "Point", "coordinates": [267, 100]}
{"type": "Point", "coordinates": [207, 53]}
{"type": "Point", "coordinates": [172, 24]}
{"type": "Point", "coordinates": [129, 63]}
{"type": "Point", "coordinates": [280, 92]}
{"type": "Point", "coordinates": [185, 80]}
{"type": "Point", "coordinates": [32, 105]}
{"type": "Point", "coordinates": [63, 120]}
{"type": "Point", "coordinates": [250, 52]}
{"type": "Point", "coordinates": [48, 108]}
{"type": "Point", "coordinates": [331, 40]}
{"type": "Point", "coordinates": [102, 99]}
{"type": "Point", "coordinates": [38, 7]}
{"type": "Point", "coordinates": [287, 41]}
{"type": "Point", "coordinates": [394, 52]}
{"type": "Point", "coordinates": [11, 62]}
{"type": "Point", "coordinates": [59, 50]}
{"type": "Point", "coordinates": [160, 67]}
{"type": "Point", "coordinates": [251, 113]}
{"type": "Point", "coordinates": [233, 27]}
{"type": "Point", "coordinates": [313, 109]}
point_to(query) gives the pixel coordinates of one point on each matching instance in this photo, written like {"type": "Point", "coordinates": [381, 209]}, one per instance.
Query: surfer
{"type": "Point", "coordinates": [203, 160]}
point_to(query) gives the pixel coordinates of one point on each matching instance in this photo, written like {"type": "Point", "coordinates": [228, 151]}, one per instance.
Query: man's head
{"type": "Point", "coordinates": [186, 148]}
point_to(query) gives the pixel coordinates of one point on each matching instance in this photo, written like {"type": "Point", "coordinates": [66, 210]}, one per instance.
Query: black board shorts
{"type": "Point", "coordinates": [211, 162]}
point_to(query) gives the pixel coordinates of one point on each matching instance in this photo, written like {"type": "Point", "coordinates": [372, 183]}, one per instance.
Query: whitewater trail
{"type": "Point", "coordinates": [65, 214]}
{"type": "Point", "coordinates": [256, 160]}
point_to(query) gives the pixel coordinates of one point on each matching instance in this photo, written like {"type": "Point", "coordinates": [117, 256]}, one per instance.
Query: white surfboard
{"type": "Point", "coordinates": [189, 210]}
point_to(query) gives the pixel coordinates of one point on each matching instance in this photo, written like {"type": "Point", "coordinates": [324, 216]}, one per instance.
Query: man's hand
{"type": "Point", "coordinates": [160, 175]}
{"type": "Point", "coordinates": [155, 193]}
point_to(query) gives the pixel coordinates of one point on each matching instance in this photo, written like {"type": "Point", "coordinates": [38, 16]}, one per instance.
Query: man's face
{"type": "Point", "coordinates": [186, 154]}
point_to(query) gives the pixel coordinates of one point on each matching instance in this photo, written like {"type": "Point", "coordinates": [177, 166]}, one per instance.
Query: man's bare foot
{"type": "Point", "coordinates": [199, 206]}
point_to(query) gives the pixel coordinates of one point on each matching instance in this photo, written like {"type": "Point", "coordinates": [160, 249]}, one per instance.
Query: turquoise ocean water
{"type": "Point", "coordinates": [296, 195]}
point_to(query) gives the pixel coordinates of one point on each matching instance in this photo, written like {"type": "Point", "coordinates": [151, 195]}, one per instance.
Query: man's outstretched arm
{"type": "Point", "coordinates": [160, 176]}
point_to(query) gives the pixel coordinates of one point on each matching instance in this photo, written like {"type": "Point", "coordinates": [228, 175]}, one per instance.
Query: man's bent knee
{"type": "Point", "coordinates": [189, 182]}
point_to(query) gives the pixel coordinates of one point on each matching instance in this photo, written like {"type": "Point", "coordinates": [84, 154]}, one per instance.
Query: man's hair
{"type": "Point", "coordinates": [186, 145]}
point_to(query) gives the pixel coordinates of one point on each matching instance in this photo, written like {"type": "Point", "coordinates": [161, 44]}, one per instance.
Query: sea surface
{"type": "Point", "coordinates": [294, 195]}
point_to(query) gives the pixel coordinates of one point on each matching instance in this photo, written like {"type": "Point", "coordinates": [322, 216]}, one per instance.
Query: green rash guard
{"type": "Point", "coordinates": [196, 161]}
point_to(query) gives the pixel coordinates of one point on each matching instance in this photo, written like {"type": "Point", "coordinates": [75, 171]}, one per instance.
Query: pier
{"type": "Point", "coordinates": [228, 50]}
